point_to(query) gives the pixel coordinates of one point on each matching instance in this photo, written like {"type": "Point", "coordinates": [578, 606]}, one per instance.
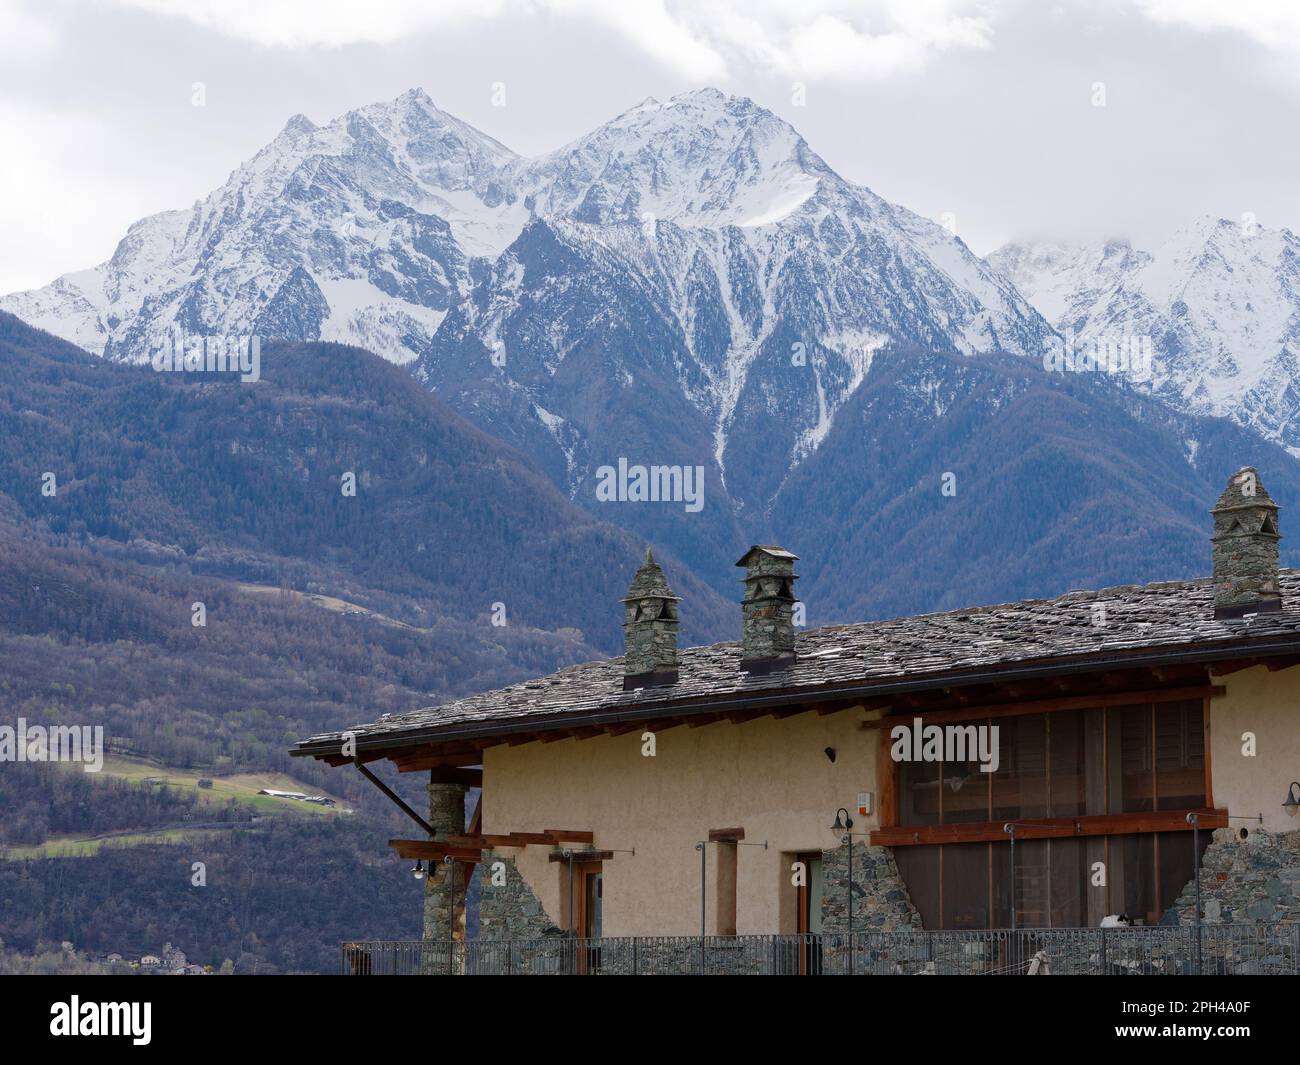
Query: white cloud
{"type": "Point", "coordinates": [323, 23]}
{"type": "Point", "coordinates": [23, 34]}
{"type": "Point", "coordinates": [1272, 23]}
{"type": "Point", "coordinates": [655, 28]}
{"type": "Point", "coordinates": [843, 40]}
{"type": "Point", "coordinates": [704, 40]}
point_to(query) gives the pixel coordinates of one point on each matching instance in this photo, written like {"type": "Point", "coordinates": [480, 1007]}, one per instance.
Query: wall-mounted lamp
{"type": "Point", "coordinates": [1292, 802]}
{"type": "Point", "coordinates": [418, 871]}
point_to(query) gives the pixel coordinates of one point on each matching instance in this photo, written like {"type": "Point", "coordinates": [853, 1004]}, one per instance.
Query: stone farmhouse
{"type": "Point", "coordinates": [806, 783]}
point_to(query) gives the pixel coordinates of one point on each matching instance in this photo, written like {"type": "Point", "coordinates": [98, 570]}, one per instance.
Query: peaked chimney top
{"type": "Point", "coordinates": [767, 549]}
{"type": "Point", "coordinates": [649, 581]}
{"type": "Point", "coordinates": [649, 628]}
{"type": "Point", "coordinates": [767, 643]}
{"type": "Point", "coordinates": [1244, 548]}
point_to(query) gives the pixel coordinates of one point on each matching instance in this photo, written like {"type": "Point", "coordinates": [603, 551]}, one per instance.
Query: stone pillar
{"type": "Point", "coordinates": [445, 883]}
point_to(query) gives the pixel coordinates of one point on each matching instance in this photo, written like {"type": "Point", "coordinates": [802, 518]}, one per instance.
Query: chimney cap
{"type": "Point", "coordinates": [649, 582]}
{"type": "Point", "coordinates": [1244, 489]}
{"type": "Point", "coordinates": [767, 549]}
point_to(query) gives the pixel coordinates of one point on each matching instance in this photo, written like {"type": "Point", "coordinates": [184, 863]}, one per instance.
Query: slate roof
{"type": "Point", "coordinates": [1142, 624]}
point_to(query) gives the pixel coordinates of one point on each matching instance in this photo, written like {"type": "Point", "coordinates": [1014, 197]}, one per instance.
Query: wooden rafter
{"type": "Point", "coordinates": [429, 756]}
{"type": "Point", "coordinates": [623, 727]}
{"type": "Point", "coordinates": [1272, 664]}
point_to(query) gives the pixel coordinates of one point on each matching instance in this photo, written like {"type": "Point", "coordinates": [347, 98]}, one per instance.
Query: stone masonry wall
{"type": "Point", "coordinates": [1244, 881]}
{"type": "Point", "coordinates": [880, 899]}
{"type": "Point", "coordinates": [510, 910]}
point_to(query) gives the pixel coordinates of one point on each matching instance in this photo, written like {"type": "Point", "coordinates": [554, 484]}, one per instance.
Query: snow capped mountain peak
{"type": "Point", "coordinates": [298, 125]}
{"type": "Point", "coordinates": [704, 158]}
{"type": "Point", "coordinates": [372, 227]}
{"type": "Point", "coordinates": [1064, 281]}
{"type": "Point", "coordinates": [1218, 302]}
{"type": "Point", "coordinates": [416, 95]}
{"type": "Point", "coordinates": [689, 282]}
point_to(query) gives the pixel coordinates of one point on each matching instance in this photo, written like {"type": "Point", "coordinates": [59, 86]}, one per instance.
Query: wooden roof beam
{"type": "Point", "coordinates": [429, 756]}
{"type": "Point", "coordinates": [435, 850]}
{"type": "Point", "coordinates": [571, 835]}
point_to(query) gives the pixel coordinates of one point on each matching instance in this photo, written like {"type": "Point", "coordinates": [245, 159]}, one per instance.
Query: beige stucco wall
{"type": "Point", "coordinates": [1268, 705]}
{"type": "Point", "coordinates": [770, 777]}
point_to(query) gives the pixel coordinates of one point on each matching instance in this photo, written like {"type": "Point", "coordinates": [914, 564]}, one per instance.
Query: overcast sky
{"type": "Point", "coordinates": [986, 110]}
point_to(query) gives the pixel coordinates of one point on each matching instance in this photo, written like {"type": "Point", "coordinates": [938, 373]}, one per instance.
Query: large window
{"type": "Point", "coordinates": [1073, 770]}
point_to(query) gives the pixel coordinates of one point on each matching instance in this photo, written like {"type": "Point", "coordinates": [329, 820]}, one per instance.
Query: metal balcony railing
{"type": "Point", "coordinates": [1183, 950]}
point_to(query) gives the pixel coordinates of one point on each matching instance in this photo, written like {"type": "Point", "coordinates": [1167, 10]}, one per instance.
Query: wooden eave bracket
{"type": "Point", "coordinates": [397, 799]}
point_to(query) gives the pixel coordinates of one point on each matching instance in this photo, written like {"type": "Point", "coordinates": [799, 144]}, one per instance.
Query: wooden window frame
{"type": "Point", "coordinates": [891, 834]}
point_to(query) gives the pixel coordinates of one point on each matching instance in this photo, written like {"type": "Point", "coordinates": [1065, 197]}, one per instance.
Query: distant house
{"type": "Point", "coordinates": [722, 789]}
{"type": "Point", "coordinates": [319, 800]}
{"type": "Point", "coordinates": [150, 961]}
{"type": "Point", "coordinates": [113, 958]}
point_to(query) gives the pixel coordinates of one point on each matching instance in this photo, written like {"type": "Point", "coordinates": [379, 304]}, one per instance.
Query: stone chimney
{"type": "Point", "coordinates": [649, 629]}
{"type": "Point", "coordinates": [1244, 548]}
{"type": "Point", "coordinates": [768, 640]}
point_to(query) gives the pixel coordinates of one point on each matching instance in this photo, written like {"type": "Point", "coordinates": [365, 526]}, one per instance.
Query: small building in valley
{"type": "Point", "coordinates": [1114, 738]}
